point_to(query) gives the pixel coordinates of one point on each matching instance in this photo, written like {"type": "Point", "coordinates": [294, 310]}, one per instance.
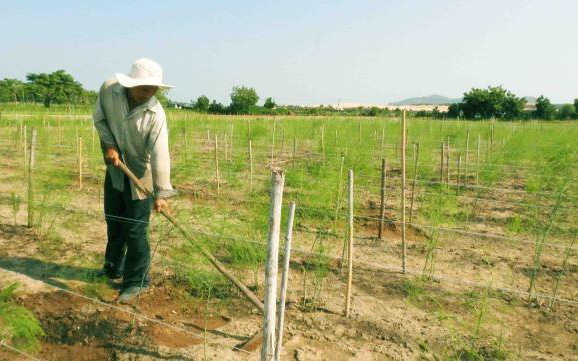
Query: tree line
{"type": "Point", "coordinates": [60, 87]}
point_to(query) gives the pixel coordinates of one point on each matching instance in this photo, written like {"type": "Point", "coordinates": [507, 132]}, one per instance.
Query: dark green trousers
{"type": "Point", "coordinates": [127, 249]}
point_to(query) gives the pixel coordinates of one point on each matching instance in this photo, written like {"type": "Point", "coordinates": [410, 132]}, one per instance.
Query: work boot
{"type": "Point", "coordinates": [131, 293]}
{"type": "Point", "coordinates": [107, 273]}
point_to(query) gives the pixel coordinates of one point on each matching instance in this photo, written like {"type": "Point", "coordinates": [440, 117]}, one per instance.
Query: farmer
{"type": "Point", "coordinates": [132, 127]}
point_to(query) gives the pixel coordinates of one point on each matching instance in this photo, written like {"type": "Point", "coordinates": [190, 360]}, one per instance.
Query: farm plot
{"type": "Point", "coordinates": [490, 229]}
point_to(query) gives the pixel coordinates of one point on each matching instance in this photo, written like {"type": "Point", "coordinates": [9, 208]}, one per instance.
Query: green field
{"type": "Point", "coordinates": [495, 222]}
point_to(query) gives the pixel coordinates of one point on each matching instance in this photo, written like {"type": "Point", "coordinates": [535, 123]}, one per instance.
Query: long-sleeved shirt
{"type": "Point", "coordinates": [140, 135]}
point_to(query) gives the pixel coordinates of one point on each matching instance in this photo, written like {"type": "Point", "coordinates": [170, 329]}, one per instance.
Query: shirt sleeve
{"type": "Point", "coordinates": [158, 146]}
{"type": "Point", "coordinates": [100, 122]}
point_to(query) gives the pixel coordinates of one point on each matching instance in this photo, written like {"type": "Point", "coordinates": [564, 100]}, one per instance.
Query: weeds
{"type": "Point", "coordinates": [18, 325]}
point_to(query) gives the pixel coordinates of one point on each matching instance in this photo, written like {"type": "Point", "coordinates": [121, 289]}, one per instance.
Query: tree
{"type": "Point", "coordinates": [454, 110]}
{"type": "Point", "coordinates": [56, 87]}
{"type": "Point", "coordinates": [566, 112]}
{"type": "Point", "coordinates": [491, 102]}
{"type": "Point", "coordinates": [216, 108]}
{"type": "Point", "coordinates": [242, 99]}
{"type": "Point", "coordinates": [269, 103]}
{"type": "Point", "coordinates": [11, 90]}
{"type": "Point", "coordinates": [576, 105]}
{"type": "Point", "coordinates": [161, 96]}
{"type": "Point", "coordinates": [544, 109]}
{"type": "Point", "coordinates": [202, 104]}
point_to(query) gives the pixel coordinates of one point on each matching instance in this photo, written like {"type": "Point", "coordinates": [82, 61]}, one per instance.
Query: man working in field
{"type": "Point", "coordinates": [132, 127]}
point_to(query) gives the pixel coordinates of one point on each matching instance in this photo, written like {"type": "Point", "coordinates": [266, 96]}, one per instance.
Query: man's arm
{"type": "Point", "coordinates": [158, 146]}
{"type": "Point", "coordinates": [107, 141]}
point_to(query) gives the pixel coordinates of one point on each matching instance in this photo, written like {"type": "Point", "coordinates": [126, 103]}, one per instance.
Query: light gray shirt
{"type": "Point", "coordinates": [140, 135]}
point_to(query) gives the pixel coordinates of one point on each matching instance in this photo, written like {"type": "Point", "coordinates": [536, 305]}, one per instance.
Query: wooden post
{"type": "Point", "coordinates": [448, 163]}
{"type": "Point", "coordinates": [217, 166]}
{"type": "Point", "coordinates": [443, 147]}
{"type": "Point", "coordinates": [269, 319]}
{"type": "Point", "coordinates": [403, 139]}
{"type": "Point", "coordinates": [226, 149]}
{"type": "Point", "coordinates": [31, 166]}
{"type": "Point", "coordinates": [350, 247]}
{"type": "Point", "coordinates": [79, 163]}
{"type": "Point", "coordinates": [466, 159]}
{"type": "Point", "coordinates": [294, 150]}
{"type": "Point", "coordinates": [185, 136]}
{"type": "Point", "coordinates": [250, 164]}
{"type": "Point", "coordinates": [415, 160]}
{"type": "Point", "coordinates": [459, 173]}
{"type": "Point", "coordinates": [382, 205]}
{"type": "Point", "coordinates": [24, 148]}
{"type": "Point", "coordinates": [338, 201]}
{"type": "Point", "coordinates": [284, 279]}
{"type": "Point", "coordinates": [273, 142]}
{"type": "Point", "coordinates": [323, 144]}
{"type": "Point", "coordinates": [382, 140]}
{"type": "Point", "coordinates": [478, 161]}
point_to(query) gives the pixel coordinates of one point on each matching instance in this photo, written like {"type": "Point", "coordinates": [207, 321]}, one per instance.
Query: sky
{"type": "Point", "coordinates": [303, 52]}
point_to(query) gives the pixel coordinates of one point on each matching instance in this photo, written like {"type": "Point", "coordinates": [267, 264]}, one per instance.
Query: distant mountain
{"type": "Point", "coordinates": [429, 100]}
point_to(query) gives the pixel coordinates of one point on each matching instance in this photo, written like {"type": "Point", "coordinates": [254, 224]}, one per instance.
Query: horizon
{"type": "Point", "coordinates": [305, 53]}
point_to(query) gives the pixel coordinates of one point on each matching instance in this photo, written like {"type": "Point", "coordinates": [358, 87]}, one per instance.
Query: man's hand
{"type": "Point", "coordinates": [161, 205]}
{"type": "Point", "coordinates": [112, 156]}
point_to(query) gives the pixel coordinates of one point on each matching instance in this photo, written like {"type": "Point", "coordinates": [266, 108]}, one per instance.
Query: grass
{"type": "Point", "coordinates": [18, 326]}
{"type": "Point", "coordinates": [512, 189]}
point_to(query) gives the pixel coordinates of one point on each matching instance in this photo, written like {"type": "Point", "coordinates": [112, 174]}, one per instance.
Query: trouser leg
{"type": "Point", "coordinates": [115, 211]}
{"type": "Point", "coordinates": [137, 259]}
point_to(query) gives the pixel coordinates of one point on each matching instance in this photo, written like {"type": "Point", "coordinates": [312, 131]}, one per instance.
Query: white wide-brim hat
{"type": "Point", "coordinates": [143, 72]}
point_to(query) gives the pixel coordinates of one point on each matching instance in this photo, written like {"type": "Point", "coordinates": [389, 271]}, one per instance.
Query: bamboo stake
{"type": "Point", "coordinates": [443, 147]}
{"type": "Point", "coordinates": [294, 150]}
{"type": "Point", "coordinates": [273, 142]}
{"type": "Point", "coordinates": [350, 247]}
{"type": "Point", "coordinates": [31, 167]}
{"type": "Point", "coordinates": [217, 166]}
{"type": "Point", "coordinates": [284, 282]}
{"type": "Point", "coordinates": [403, 135]}
{"type": "Point", "coordinates": [24, 148]}
{"type": "Point", "coordinates": [416, 155]}
{"type": "Point", "coordinates": [382, 205]}
{"type": "Point", "coordinates": [323, 144]}
{"type": "Point", "coordinates": [80, 163]}
{"type": "Point", "coordinates": [459, 173]}
{"type": "Point", "coordinates": [338, 202]}
{"type": "Point", "coordinates": [226, 149]}
{"type": "Point", "coordinates": [448, 163]}
{"type": "Point", "coordinates": [250, 164]}
{"type": "Point", "coordinates": [478, 162]}
{"type": "Point", "coordinates": [269, 315]}
{"type": "Point", "coordinates": [467, 156]}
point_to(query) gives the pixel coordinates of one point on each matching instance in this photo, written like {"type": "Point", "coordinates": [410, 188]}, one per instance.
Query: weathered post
{"type": "Point", "coordinates": [478, 161]}
{"type": "Point", "coordinates": [217, 166]}
{"type": "Point", "coordinates": [350, 247]}
{"type": "Point", "coordinates": [294, 150]}
{"type": "Point", "coordinates": [382, 205]}
{"type": "Point", "coordinates": [403, 135]}
{"type": "Point", "coordinates": [415, 160]}
{"type": "Point", "coordinates": [269, 319]}
{"type": "Point", "coordinates": [284, 281]}
{"type": "Point", "coordinates": [459, 173]}
{"type": "Point", "coordinates": [273, 143]}
{"type": "Point", "coordinates": [250, 164]}
{"type": "Point", "coordinates": [466, 159]}
{"type": "Point", "coordinates": [442, 164]}
{"type": "Point", "coordinates": [79, 163]}
{"type": "Point", "coordinates": [31, 166]}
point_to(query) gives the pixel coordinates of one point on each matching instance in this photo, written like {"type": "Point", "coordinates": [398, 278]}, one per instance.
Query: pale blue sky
{"type": "Point", "coordinates": [305, 52]}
